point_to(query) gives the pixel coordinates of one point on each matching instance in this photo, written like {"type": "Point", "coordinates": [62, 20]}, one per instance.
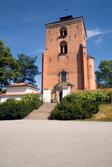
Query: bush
{"type": "Point", "coordinates": [109, 98]}
{"type": "Point", "coordinates": [18, 109]}
{"type": "Point", "coordinates": [81, 105]}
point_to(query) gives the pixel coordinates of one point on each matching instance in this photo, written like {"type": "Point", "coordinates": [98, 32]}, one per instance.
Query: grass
{"type": "Point", "coordinates": [104, 114]}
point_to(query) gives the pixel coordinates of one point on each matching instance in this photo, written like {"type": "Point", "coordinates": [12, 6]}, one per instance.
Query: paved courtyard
{"type": "Point", "coordinates": [40, 143]}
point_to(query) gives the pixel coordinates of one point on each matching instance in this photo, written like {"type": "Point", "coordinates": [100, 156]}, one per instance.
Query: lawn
{"type": "Point", "coordinates": [104, 114]}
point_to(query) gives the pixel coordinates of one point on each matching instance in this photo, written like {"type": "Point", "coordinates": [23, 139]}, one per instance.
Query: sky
{"type": "Point", "coordinates": [22, 25]}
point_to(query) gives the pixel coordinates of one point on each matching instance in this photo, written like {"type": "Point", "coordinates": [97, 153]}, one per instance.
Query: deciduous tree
{"type": "Point", "coordinates": [104, 74]}
{"type": "Point", "coordinates": [28, 69]}
{"type": "Point", "coordinates": [8, 66]}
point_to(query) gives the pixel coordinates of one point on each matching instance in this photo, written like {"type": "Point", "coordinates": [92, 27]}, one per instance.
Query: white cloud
{"type": "Point", "coordinates": [95, 32]}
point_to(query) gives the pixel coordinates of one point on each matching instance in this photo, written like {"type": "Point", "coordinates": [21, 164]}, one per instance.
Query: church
{"type": "Point", "coordinates": [66, 65]}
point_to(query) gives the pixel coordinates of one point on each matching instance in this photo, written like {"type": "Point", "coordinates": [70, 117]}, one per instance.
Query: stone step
{"type": "Point", "coordinates": [42, 113]}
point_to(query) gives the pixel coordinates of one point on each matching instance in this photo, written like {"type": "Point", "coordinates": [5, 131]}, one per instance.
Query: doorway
{"type": "Point", "coordinates": [60, 96]}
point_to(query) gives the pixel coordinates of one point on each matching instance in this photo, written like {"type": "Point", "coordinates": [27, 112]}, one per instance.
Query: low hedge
{"type": "Point", "coordinates": [18, 109]}
{"type": "Point", "coordinates": [81, 105]}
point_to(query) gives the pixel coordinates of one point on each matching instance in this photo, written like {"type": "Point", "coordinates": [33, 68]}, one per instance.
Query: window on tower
{"type": "Point", "coordinates": [63, 32]}
{"type": "Point", "coordinates": [63, 47]}
{"type": "Point", "coordinates": [63, 76]}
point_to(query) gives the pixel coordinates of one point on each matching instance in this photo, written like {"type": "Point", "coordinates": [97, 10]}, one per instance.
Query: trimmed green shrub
{"type": "Point", "coordinates": [18, 109]}
{"type": "Point", "coordinates": [109, 98]}
{"type": "Point", "coordinates": [81, 105]}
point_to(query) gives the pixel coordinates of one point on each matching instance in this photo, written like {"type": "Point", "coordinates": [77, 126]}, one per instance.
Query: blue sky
{"type": "Point", "coordinates": [22, 25]}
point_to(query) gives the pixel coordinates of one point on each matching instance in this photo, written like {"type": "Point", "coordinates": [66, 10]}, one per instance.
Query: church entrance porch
{"type": "Point", "coordinates": [55, 95]}
{"type": "Point", "coordinates": [61, 90]}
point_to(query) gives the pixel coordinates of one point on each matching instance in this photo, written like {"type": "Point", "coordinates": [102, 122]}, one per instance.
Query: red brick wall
{"type": "Point", "coordinates": [74, 62]}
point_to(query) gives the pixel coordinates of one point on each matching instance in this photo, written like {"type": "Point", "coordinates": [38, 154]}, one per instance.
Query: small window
{"type": "Point", "coordinates": [63, 76]}
{"type": "Point", "coordinates": [63, 32]}
{"type": "Point", "coordinates": [63, 47]}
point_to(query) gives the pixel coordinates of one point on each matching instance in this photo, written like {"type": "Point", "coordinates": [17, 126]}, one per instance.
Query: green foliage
{"type": "Point", "coordinates": [27, 68]}
{"type": "Point", "coordinates": [81, 105]}
{"type": "Point", "coordinates": [18, 109]}
{"type": "Point", "coordinates": [22, 70]}
{"type": "Point", "coordinates": [8, 66]}
{"type": "Point", "coordinates": [109, 98]}
{"type": "Point", "coordinates": [104, 74]}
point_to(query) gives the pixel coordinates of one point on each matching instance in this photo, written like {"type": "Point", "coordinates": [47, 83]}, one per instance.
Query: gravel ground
{"type": "Point", "coordinates": [44, 143]}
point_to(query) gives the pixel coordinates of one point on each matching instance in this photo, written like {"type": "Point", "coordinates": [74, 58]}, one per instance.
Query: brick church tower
{"type": "Point", "coordinates": [66, 65]}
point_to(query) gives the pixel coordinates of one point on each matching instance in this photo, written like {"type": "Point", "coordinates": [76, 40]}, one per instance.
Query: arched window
{"type": "Point", "coordinates": [63, 76]}
{"type": "Point", "coordinates": [63, 32]}
{"type": "Point", "coordinates": [63, 47]}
